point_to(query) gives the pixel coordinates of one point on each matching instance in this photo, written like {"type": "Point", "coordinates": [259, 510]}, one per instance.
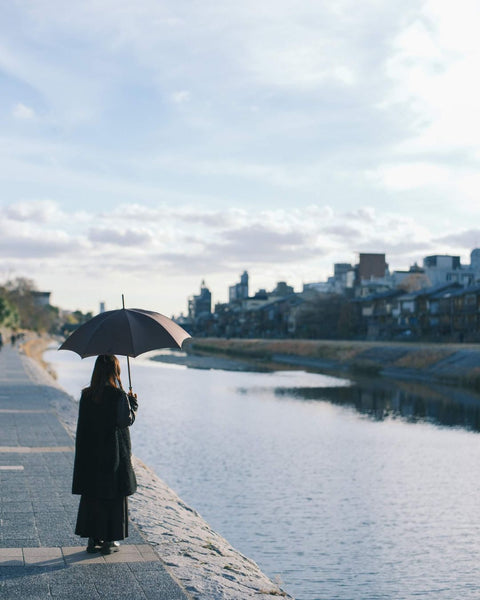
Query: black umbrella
{"type": "Point", "coordinates": [127, 332]}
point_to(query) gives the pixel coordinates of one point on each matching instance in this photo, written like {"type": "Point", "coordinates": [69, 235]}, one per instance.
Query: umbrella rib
{"type": "Point", "coordinates": [127, 314]}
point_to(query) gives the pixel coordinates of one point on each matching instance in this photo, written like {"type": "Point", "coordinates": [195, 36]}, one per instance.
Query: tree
{"type": "Point", "coordinates": [415, 281]}
{"type": "Point", "coordinates": [326, 316]}
{"type": "Point", "coordinates": [8, 314]}
{"type": "Point", "coordinates": [19, 293]}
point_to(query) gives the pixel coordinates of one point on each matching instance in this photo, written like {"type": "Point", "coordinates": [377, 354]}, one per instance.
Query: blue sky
{"type": "Point", "coordinates": [147, 146]}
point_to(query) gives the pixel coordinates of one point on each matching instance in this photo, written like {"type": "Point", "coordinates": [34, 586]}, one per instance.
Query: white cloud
{"type": "Point", "coordinates": [30, 240]}
{"type": "Point", "coordinates": [71, 96]}
{"type": "Point", "coordinates": [465, 239]}
{"type": "Point", "coordinates": [119, 237]}
{"type": "Point", "coordinates": [20, 111]}
{"type": "Point", "coordinates": [181, 96]}
{"type": "Point", "coordinates": [407, 176]}
{"type": "Point", "coordinates": [432, 66]}
{"type": "Point", "coordinates": [40, 211]}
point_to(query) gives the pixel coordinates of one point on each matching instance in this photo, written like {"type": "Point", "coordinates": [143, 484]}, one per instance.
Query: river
{"type": "Point", "coordinates": [337, 489]}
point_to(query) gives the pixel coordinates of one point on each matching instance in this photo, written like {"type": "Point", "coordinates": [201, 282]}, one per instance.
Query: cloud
{"type": "Point", "coordinates": [364, 214]}
{"type": "Point", "coordinates": [261, 244]}
{"type": "Point", "coordinates": [20, 111]}
{"type": "Point", "coordinates": [429, 69]}
{"type": "Point", "coordinates": [29, 242]}
{"type": "Point", "coordinates": [117, 237]}
{"type": "Point", "coordinates": [38, 211]}
{"type": "Point", "coordinates": [181, 96]}
{"type": "Point", "coordinates": [398, 250]}
{"type": "Point", "coordinates": [170, 214]}
{"type": "Point", "coordinates": [70, 92]}
{"type": "Point", "coordinates": [467, 239]}
{"type": "Point", "coordinates": [213, 219]}
{"type": "Point", "coordinates": [411, 175]}
{"type": "Point", "coordinates": [343, 231]}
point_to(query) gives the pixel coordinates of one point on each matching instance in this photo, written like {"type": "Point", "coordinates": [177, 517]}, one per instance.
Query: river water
{"type": "Point", "coordinates": [337, 489]}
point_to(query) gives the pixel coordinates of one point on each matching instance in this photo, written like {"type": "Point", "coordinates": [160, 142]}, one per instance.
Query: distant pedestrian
{"type": "Point", "coordinates": [13, 339]}
{"type": "Point", "coordinates": [103, 474]}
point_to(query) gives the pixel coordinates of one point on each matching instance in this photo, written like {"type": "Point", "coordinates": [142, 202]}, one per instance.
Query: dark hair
{"type": "Point", "coordinates": [105, 372]}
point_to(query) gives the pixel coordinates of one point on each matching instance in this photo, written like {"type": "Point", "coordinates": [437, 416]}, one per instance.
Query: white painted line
{"type": "Point", "coordinates": [24, 412]}
{"type": "Point", "coordinates": [35, 449]}
{"type": "Point", "coordinates": [11, 557]}
{"type": "Point", "coordinates": [71, 555]}
{"type": "Point", "coordinates": [43, 557]}
{"type": "Point", "coordinates": [11, 467]}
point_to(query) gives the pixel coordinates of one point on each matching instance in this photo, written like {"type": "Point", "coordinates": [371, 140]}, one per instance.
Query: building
{"type": "Point", "coordinates": [239, 291]}
{"type": "Point", "coordinates": [443, 268]}
{"type": "Point", "coordinates": [411, 280]}
{"type": "Point", "coordinates": [200, 305]}
{"type": "Point", "coordinates": [475, 260]}
{"type": "Point", "coordinates": [371, 266]}
{"type": "Point", "coordinates": [282, 289]}
{"type": "Point", "coordinates": [343, 277]}
{"type": "Point", "coordinates": [322, 287]}
{"type": "Point", "coordinates": [371, 275]}
{"type": "Point", "coordinates": [41, 299]}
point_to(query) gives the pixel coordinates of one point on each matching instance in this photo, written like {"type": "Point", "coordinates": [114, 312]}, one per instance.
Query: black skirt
{"type": "Point", "coordinates": [106, 520]}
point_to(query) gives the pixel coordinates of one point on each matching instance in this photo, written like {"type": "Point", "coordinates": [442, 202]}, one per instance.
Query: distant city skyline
{"type": "Point", "coordinates": [148, 146]}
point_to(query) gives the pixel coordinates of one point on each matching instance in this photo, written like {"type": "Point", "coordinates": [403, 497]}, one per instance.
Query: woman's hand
{"type": "Point", "coordinates": [132, 398]}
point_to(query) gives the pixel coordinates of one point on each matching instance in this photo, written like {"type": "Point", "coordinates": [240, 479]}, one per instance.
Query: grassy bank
{"type": "Point", "coordinates": [34, 346]}
{"type": "Point", "coordinates": [266, 349]}
{"type": "Point", "coordinates": [457, 364]}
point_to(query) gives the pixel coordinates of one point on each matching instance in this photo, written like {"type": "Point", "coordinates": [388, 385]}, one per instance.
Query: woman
{"type": "Point", "coordinates": [103, 474]}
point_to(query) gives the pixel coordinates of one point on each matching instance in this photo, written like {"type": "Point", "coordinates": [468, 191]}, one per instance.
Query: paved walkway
{"type": "Point", "coordinates": [40, 557]}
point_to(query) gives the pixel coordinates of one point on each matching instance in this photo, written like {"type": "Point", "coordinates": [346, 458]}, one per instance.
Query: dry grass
{"type": "Point", "coordinates": [34, 347]}
{"type": "Point", "coordinates": [353, 355]}
{"type": "Point", "coordinates": [264, 349]}
{"type": "Point", "coordinates": [423, 358]}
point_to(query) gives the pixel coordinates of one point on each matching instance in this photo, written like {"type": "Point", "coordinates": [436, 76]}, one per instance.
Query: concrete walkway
{"type": "Point", "coordinates": [40, 557]}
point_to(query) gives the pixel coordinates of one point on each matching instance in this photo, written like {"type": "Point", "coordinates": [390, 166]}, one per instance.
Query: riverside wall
{"type": "Point", "coordinates": [455, 364]}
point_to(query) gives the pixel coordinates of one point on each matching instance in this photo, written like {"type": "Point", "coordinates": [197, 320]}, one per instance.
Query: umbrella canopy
{"type": "Point", "coordinates": [127, 332]}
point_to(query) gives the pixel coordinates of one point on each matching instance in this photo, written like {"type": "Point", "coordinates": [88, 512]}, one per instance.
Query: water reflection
{"type": "Point", "coordinates": [382, 399]}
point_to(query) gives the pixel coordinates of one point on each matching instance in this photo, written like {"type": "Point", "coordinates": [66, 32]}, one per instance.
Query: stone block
{"type": "Point", "coordinates": [11, 557]}
{"type": "Point", "coordinates": [43, 557]}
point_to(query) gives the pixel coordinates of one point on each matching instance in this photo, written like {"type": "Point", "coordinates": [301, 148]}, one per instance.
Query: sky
{"type": "Point", "coordinates": [146, 146]}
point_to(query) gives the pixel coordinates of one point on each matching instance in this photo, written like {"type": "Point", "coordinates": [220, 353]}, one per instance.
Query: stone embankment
{"type": "Point", "coordinates": [457, 364]}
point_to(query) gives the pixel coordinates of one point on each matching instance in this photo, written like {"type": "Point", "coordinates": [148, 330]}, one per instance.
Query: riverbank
{"type": "Point", "coordinates": [457, 364]}
{"type": "Point", "coordinates": [34, 346]}
{"type": "Point", "coordinates": [207, 566]}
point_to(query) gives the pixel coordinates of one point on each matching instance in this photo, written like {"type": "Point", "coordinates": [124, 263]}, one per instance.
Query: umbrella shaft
{"type": "Point", "coordinates": [129, 376]}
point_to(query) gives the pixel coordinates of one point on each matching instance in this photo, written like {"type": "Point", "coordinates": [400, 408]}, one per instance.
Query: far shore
{"type": "Point", "coordinates": [454, 364]}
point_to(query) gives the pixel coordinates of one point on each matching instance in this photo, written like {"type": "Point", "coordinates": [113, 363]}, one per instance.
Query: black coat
{"type": "Point", "coordinates": [103, 467]}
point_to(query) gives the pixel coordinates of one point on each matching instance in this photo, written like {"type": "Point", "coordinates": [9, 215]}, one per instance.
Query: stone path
{"type": "Point", "coordinates": [40, 557]}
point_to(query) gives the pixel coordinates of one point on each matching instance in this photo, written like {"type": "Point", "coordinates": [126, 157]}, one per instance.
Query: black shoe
{"type": "Point", "coordinates": [110, 547]}
{"type": "Point", "coordinates": [94, 545]}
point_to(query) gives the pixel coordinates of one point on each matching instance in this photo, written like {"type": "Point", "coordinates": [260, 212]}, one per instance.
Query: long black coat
{"type": "Point", "coordinates": [103, 467]}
